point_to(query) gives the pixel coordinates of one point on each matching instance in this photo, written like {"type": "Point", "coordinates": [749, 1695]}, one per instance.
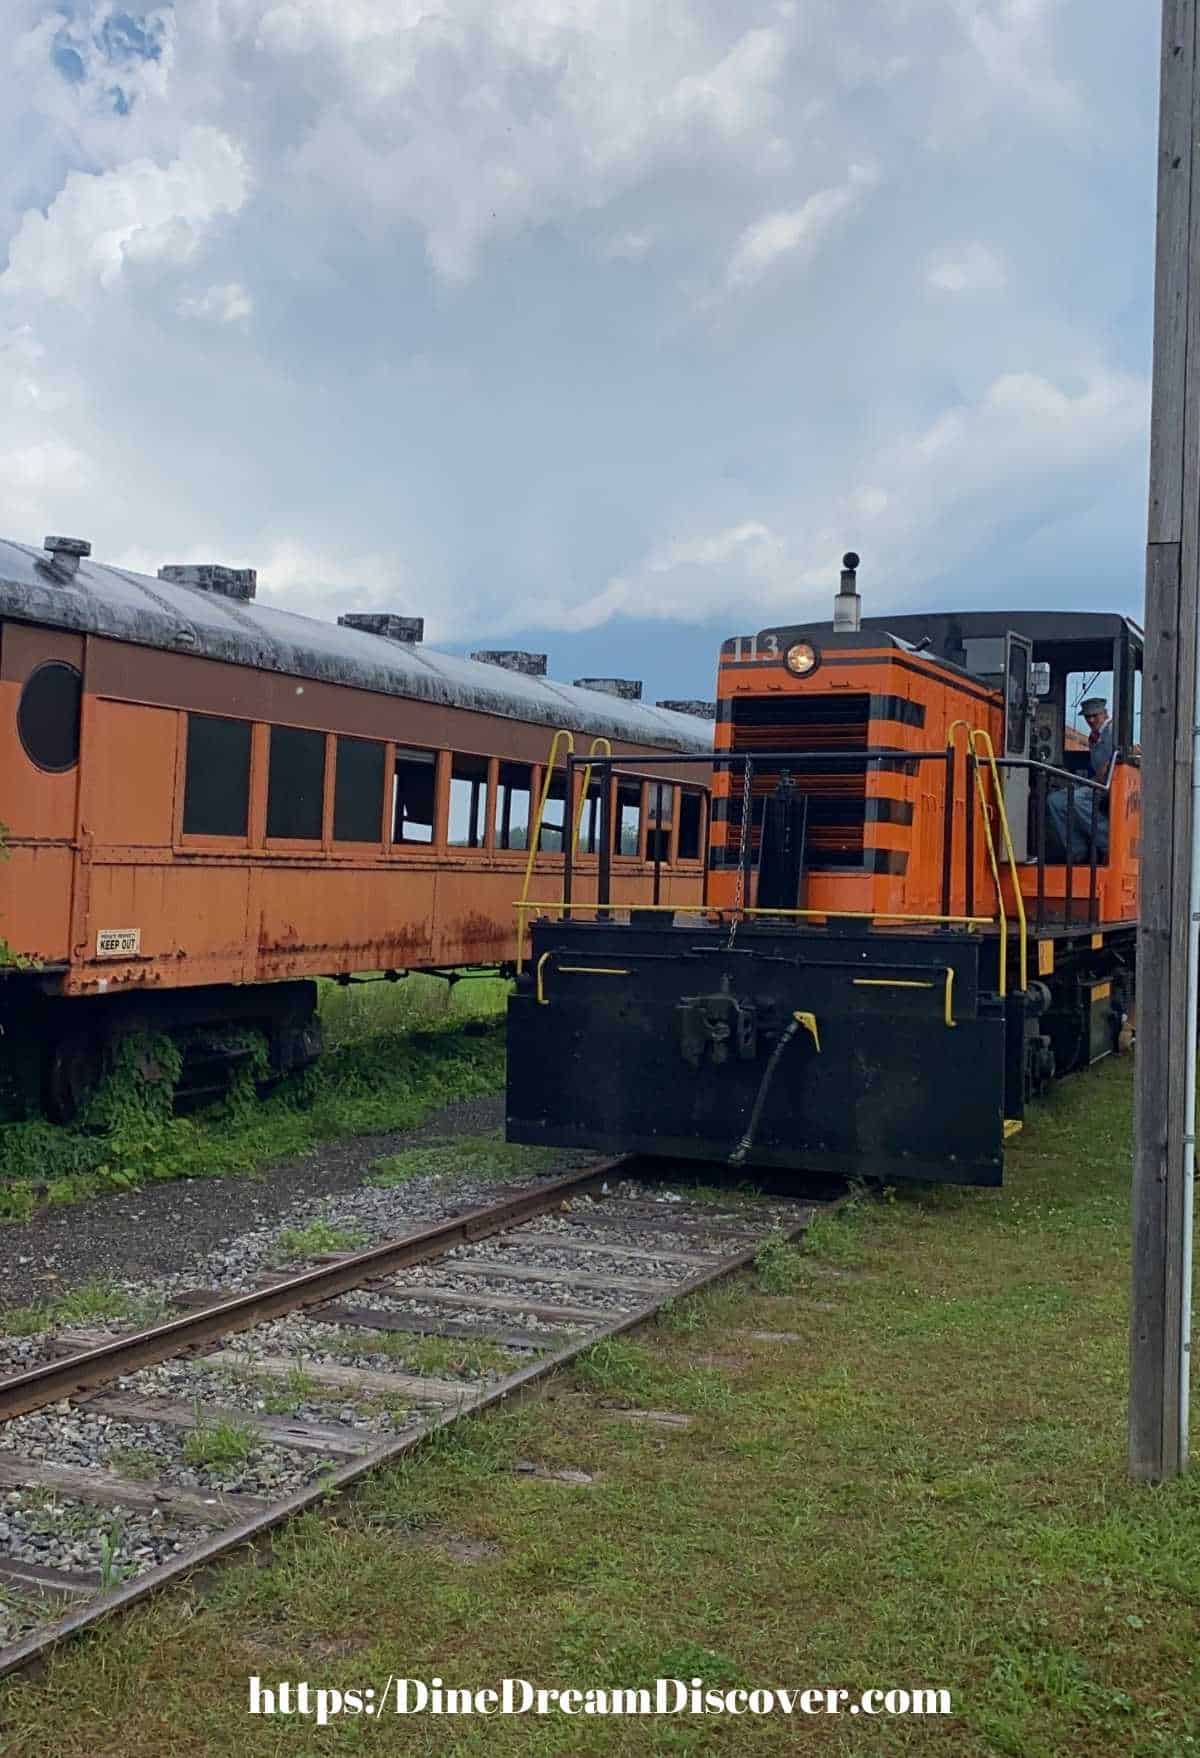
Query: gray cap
{"type": "Point", "coordinates": [1094, 705]}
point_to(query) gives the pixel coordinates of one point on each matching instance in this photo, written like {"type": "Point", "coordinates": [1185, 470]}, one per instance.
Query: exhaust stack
{"type": "Point", "coordinates": [847, 606]}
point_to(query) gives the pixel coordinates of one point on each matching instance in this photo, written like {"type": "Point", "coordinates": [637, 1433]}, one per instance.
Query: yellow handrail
{"type": "Point", "coordinates": [563, 737]}
{"type": "Point", "coordinates": [981, 732]}
{"type": "Point", "coordinates": [593, 751]}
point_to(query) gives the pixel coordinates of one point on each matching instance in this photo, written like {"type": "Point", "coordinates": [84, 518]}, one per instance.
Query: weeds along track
{"type": "Point", "coordinates": [115, 1451]}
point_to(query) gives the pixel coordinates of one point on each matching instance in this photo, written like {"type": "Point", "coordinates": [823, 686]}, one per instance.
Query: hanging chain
{"type": "Point", "coordinates": [743, 849]}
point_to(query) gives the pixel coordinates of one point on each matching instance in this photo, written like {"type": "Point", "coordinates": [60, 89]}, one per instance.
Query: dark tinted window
{"type": "Point", "coordinates": [358, 791]}
{"type": "Point", "coordinates": [689, 825]}
{"type": "Point", "coordinates": [48, 716]}
{"type": "Point", "coordinates": [296, 788]}
{"type": "Point", "coordinates": [216, 792]}
{"type": "Point", "coordinates": [413, 796]}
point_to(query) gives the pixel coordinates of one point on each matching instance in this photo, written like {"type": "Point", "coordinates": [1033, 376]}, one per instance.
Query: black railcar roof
{"type": "Point", "coordinates": [1078, 639]}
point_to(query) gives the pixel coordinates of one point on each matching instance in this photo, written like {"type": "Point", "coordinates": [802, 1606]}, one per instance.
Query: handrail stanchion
{"type": "Point", "coordinates": [565, 740]}
{"type": "Point", "coordinates": [1094, 812]}
{"type": "Point", "coordinates": [604, 866]}
{"type": "Point", "coordinates": [1069, 899]}
{"type": "Point", "coordinates": [568, 843]}
{"type": "Point", "coordinates": [1040, 807]}
{"type": "Point", "coordinates": [950, 782]}
{"type": "Point", "coordinates": [981, 733]}
{"type": "Point", "coordinates": [658, 840]}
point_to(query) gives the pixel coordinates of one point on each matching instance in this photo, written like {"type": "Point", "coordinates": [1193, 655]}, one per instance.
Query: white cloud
{"type": "Point", "coordinates": [226, 304]}
{"type": "Point", "coordinates": [629, 246]}
{"type": "Point", "coordinates": [1024, 450]}
{"type": "Point", "coordinates": [140, 212]}
{"type": "Point", "coordinates": [966, 268]}
{"type": "Point", "coordinates": [795, 232]}
{"type": "Point", "coordinates": [476, 120]}
{"type": "Point", "coordinates": [45, 484]}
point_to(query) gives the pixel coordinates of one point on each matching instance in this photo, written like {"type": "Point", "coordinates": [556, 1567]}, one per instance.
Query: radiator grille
{"type": "Point", "coordinates": [836, 790]}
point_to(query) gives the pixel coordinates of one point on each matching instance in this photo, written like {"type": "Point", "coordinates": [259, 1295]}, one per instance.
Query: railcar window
{"type": "Point", "coordinates": [296, 787]}
{"type": "Point", "coordinates": [468, 802]}
{"type": "Point", "coordinates": [589, 823]}
{"type": "Point", "coordinates": [689, 825]}
{"type": "Point", "coordinates": [658, 833]}
{"type": "Point", "coordinates": [358, 791]}
{"type": "Point", "coordinates": [550, 839]}
{"type": "Point", "coordinates": [48, 716]}
{"type": "Point", "coordinates": [413, 796]}
{"type": "Point", "coordinates": [512, 808]}
{"type": "Point", "coordinates": [627, 828]}
{"type": "Point", "coordinates": [216, 788]}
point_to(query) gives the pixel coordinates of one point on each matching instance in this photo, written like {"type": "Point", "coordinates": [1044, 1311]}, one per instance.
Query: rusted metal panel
{"type": "Point", "coordinates": [129, 774]}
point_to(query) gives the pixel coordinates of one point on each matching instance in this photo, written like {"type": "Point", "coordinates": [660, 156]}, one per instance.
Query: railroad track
{"type": "Point", "coordinates": [566, 1263]}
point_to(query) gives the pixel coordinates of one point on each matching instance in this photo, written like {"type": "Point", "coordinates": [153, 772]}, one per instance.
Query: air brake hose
{"type": "Point", "coordinates": [738, 1156]}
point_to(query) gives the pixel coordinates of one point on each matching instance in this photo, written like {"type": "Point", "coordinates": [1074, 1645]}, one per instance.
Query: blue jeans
{"type": "Point", "coordinates": [1085, 805]}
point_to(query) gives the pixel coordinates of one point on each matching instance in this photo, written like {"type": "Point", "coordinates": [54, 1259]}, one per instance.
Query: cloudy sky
{"type": "Point", "coordinates": [598, 326]}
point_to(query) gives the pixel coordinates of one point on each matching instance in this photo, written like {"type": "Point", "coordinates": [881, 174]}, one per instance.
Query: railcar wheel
{"type": "Point", "coordinates": [74, 1067]}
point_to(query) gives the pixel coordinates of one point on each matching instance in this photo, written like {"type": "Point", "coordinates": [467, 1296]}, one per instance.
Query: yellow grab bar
{"type": "Point", "coordinates": [980, 732]}
{"type": "Point", "coordinates": [565, 739]}
{"type": "Point", "coordinates": [914, 983]}
{"type": "Point", "coordinates": [575, 970]}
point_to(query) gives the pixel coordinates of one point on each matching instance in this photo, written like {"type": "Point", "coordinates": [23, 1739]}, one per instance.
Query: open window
{"type": "Point", "coordinates": [413, 796]}
{"type": "Point", "coordinates": [468, 802]}
{"type": "Point", "coordinates": [627, 820]}
{"type": "Point", "coordinates": [550, 838]}
{"type": "Point", "coordinates": [512, 806]}
{"type": "Point", "coordinates": [661, 808]}
{"type": "Point", "coordinates": [590, 818]}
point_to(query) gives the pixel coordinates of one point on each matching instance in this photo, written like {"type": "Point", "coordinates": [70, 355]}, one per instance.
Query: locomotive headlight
{"type": "Point", "coordinates": [802, 658]}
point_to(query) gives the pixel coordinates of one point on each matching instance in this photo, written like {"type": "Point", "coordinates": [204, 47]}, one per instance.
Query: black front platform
{"type": "Point", "coordinates": [660, 1039]}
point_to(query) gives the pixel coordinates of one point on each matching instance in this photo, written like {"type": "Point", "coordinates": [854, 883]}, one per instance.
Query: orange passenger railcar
{"type": "Point", "coordinates": [206, 804]}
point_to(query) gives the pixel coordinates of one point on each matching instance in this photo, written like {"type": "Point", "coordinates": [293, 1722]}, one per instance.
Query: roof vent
{"type": "Point", "coordinates": [627, 689]}
{"type": "Point", "coordinates": [689, 705]}
{"type": "Point", "coordinates": [385, 622]}
{"type": "Point", "coordinates": [65, 554]}
{"type": "Point", "coordinates": [531, 665]}
{"type": "Point", "coordinates": [240, 583]}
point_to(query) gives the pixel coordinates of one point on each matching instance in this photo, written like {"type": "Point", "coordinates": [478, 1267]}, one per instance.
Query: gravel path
{"type": "Point", "coordinates": [150, 1232]}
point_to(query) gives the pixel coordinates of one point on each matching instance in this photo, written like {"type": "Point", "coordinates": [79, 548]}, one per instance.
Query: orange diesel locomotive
{"type": "Point", "coordinates": [205, 804]}
{"type": "Point", "coordinates": [897, 952]}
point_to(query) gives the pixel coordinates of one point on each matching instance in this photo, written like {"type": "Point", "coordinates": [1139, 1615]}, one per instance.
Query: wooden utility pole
{"type": "Point", "coordinates": [1164, 1124]}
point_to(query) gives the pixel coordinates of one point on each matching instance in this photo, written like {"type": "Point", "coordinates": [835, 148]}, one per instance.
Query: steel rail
{"type": "Point", "coordinates": [36, 1646]}
{"type": "Point", "coordinates": [53, 1381]}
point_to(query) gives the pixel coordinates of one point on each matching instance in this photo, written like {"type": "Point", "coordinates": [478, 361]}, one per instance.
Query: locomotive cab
{"type": "Point", "coordinates": [893, 956]}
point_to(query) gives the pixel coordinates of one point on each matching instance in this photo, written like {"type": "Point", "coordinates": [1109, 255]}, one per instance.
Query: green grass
{"type": "Point", "coordinates": [319, 1236]}
{"type": "Point", "coordinates": [928, 1487]}
{"type": "Point", "coordinates": [475, 1156]}
{"type": "Point", "coordinates": [221, 1441]}
{"type": "Point", "coordinates": [100, 1300]}
{"type": "Point", "coordinates": [138, 1463]}
{"type": "Point", "coordinates": [386, 1078]}
{"type": "Point", "coordinates": [439, 1356]}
